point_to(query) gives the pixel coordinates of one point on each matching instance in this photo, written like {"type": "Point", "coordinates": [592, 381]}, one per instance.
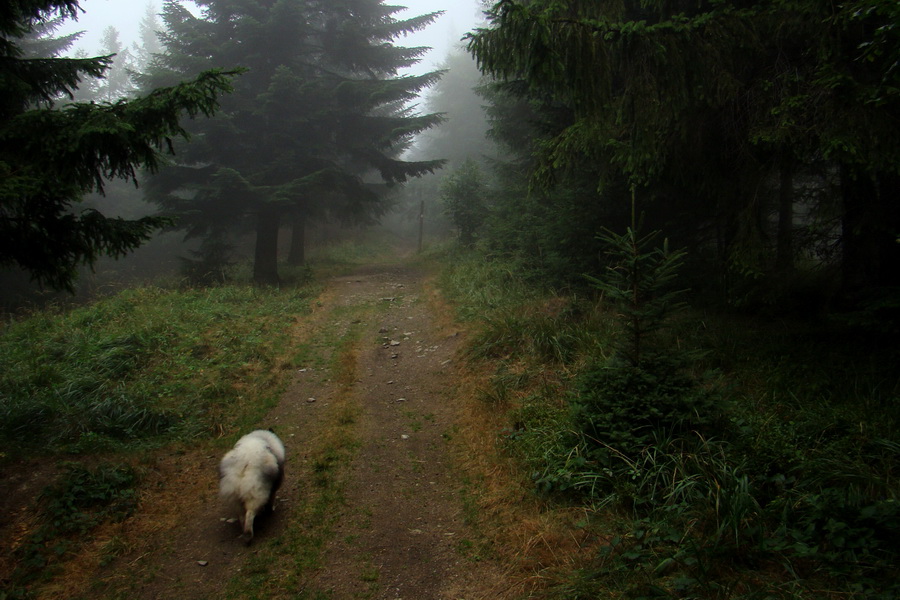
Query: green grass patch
{"type": "Point", "coordinates": [146, 365]}
{"type": "Point", "coordinates": [518, 316]}
{"type": "Point", "coordinates": [366, 248]}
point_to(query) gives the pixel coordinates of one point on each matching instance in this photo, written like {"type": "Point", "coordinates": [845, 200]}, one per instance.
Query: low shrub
{"type": "Point", "coordinates": [619, 407]}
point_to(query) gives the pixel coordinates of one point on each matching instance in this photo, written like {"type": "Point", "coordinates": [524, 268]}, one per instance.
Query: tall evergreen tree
{"type": "Point", "coordinates": [49, 158]}
{"type": "Point", "coordinates": [148, 43]}
{"type": "Point", "coordinates": [316, 125]}
{"type": "Point", "coordinates": [117, 82]}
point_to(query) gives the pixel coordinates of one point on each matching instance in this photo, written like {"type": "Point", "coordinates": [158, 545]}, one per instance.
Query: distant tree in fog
{"type": "Point", "coordinates": [464, 133]}
{"type": "Point", "coordinates": [148, 43]}
{"type": "Point", "coordinates": [116, 82]}
{"type": "Point", "coordinates": [315, 127]}
{"type": "Point", "coordinates": [464, 195]}
{"type": "Point", "coordinates": [51, 155]}
{"type": "Point", "coordinates": [461, 137]}
{"type": "Point", "coordinates": [39, 40]}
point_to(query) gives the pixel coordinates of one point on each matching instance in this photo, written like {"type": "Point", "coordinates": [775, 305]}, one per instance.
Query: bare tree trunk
{"type": "Point", "coordinates": [297, 254]}
{"type": "Point", "coordinates": [265, 264]}
{"type": "Point", "coordinates": [870, 225]}
{"type": "Point", "coordinates": [784, 251]}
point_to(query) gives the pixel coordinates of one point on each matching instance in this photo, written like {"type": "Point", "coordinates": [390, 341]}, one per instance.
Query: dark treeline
{"type": "Point", "coordinates": [761, 135]}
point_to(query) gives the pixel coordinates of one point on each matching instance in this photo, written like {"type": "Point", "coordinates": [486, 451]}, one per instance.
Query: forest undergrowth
{"type": "Point", "coordinates": [739, 457]}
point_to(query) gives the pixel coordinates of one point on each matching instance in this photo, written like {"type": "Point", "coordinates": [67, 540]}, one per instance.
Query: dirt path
{"type": "Point", "coordinates": [371, 506]}
{"type": "Point", "coordinates": [402, 525]}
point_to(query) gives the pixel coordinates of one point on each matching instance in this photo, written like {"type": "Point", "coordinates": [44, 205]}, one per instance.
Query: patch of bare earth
{"type": "Point", "coordinates": [402, 533]}
{"type": "Point", "coordinates": [398, 530]}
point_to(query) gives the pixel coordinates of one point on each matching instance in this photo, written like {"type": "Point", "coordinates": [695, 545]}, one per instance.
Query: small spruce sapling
{"type": "Point", "coordinates": [636, 285]}
{"type": "Point", "coordinates": [645, 387]}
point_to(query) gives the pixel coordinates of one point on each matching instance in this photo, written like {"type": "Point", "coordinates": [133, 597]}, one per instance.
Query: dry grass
{"type": "Point", "coordinates": [537, 541]}
{"type": "Point", "coordinates": [174, 485]}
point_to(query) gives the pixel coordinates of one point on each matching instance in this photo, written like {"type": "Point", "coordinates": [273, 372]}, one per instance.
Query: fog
{"type": "Point", "coordinates": [162, 256]}
{"type": "Point", "coordinates": [459, 17]}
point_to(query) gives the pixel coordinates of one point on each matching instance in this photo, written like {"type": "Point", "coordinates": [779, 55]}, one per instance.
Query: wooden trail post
{"type": "Point", "coordinates": [421, 223]}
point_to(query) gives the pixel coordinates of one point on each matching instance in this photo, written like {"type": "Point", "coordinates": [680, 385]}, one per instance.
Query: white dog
{"type": "Point", "coordinates": [250, 474]}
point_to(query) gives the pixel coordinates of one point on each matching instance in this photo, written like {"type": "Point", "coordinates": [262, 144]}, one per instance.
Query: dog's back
{"type": "Point", "coordinates": [250, 474]}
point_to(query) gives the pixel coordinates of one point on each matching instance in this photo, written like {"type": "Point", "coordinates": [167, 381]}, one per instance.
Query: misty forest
{"type": "Point", "coordinates": [662, 237]}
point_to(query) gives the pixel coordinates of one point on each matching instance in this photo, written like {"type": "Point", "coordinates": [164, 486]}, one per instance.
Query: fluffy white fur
{"type": "Point", "coordinates": [250, 474]}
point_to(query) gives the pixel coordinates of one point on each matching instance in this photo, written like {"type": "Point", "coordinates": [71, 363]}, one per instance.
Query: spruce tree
{"type": "Point", "coordinates": [148, 44]}
{"type": "Point", "coordinates": [53, 152]}
{"type": "Point", "coordinates": [316, 125]}
{"type": "Point", "coordinates": [116, 82]}
{"type": "Point", "coordinates": [464, 195]}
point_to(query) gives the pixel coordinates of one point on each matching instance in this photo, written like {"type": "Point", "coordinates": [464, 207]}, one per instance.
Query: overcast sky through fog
{"type": "Point", "coordinates": [459, 17]}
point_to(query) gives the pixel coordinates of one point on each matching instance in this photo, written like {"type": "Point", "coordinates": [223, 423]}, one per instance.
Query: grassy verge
{"type": "Point", "coordinates": [766, 466]}
{"type": "Point", "coordinates": [146, 366]}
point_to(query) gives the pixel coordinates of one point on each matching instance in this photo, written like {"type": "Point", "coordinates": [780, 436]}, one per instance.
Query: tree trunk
{"type": "Point", "coordinates": [265, 264]}
{"type": "Point", "coordinates": [726, 237]}
{"type": "Point", "coordinates": [869, 231]}
{"type": "Point", "coordinates": [784, 251]}
{"type": "Point", "coordinates": [297, 254]}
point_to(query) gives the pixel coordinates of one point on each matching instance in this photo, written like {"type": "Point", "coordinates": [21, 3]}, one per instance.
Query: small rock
{"type": "Point", "coordinates": [394, 355]}
{"type": "Point", "coordinates": [400, 400]}
{"type": "Point", "coordinates": [310, 399]}
{"type": "Point", "coordinates": [395, 343]}
{"type": "Point", "coordinates": [404, 437]}
{"type": "Point", "coordinates": [202, 563]}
